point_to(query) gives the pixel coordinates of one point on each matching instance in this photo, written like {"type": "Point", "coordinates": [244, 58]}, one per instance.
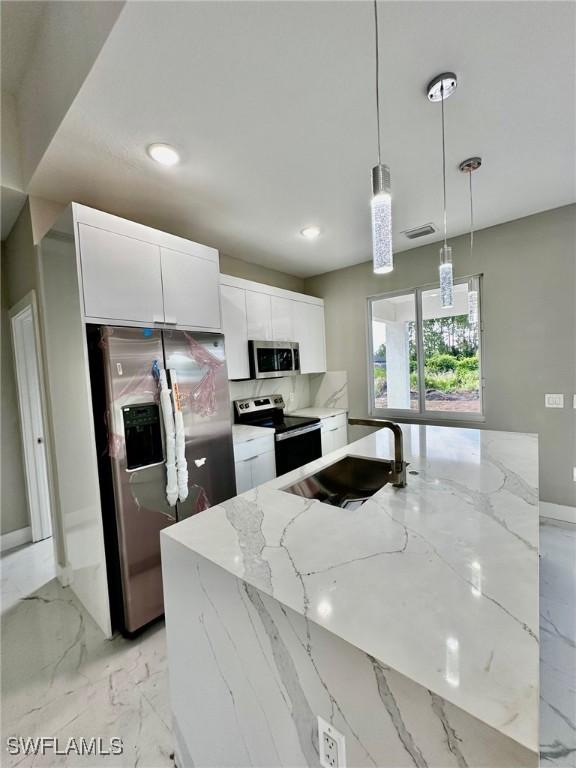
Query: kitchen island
{"type": "Point", "coordinates": [409, 623]}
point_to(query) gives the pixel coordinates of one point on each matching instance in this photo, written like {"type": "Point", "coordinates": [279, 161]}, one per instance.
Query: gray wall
{"type": "Point", "coordinates": [529, 320]}
{"type": "Point", "coordinates": [18, 269]}
{"type": "Point", "coordinates": [229, 265]}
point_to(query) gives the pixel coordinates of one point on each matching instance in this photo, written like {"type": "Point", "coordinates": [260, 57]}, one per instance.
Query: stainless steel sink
{"type": "Point", "coordinates": [347, 483]}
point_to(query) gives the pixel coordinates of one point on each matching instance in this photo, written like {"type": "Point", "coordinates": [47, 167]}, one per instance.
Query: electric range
{"type": "Point", "coordinates": [297, 439]}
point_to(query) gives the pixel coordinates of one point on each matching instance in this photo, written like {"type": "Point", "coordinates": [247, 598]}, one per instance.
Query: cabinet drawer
{"type": "Point", "coordinates": [334, 422]}
{"type": "Point", "coordinates": [251, 448]}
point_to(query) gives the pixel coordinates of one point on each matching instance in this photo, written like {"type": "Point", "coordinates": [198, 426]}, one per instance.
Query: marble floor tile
{"type": "Point", "coordinates": [61, 678]}
{"type": "Point", "coordinates": [24, 570]}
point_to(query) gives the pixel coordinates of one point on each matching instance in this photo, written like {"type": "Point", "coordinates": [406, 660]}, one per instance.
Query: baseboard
{"type": "Point", "coordinates": [64, 574]}
{"type": "Point", "coordinates": [558, 512]}
{"type": "Point", "coordinates": [14, 539]}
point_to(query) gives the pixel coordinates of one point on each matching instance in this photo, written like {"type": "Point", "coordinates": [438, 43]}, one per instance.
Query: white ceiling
{"type": "Point", "coordinates": [271, 105]}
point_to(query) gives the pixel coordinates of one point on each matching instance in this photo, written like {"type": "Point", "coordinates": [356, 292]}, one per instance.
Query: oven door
{"type": "Point", "coordinates": [297, 447]}
{"type": "Point", "coordinates": [273, 359]}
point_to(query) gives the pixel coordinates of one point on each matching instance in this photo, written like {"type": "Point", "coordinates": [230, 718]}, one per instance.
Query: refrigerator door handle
{"type": "Point", "coordinates": [145, 466]}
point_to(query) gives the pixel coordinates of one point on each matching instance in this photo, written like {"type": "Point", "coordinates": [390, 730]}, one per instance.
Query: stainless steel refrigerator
{"type": "Point", "coordinates": [134, 434]}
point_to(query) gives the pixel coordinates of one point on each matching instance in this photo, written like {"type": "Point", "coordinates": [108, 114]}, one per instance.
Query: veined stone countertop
{"type": "Point", "coordinates": [242, 433]}
{"type": "Point", "coordinates": [438, 580]}
{"type": "Point", "coordinates": [318, 413]}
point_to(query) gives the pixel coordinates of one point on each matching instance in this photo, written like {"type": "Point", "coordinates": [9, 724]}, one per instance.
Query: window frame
{"type": "Point", "coordinates": [423, 414]}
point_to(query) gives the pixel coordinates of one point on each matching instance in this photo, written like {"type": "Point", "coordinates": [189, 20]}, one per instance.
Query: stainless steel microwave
{"type": "Point", "coordinates": [273, 359]}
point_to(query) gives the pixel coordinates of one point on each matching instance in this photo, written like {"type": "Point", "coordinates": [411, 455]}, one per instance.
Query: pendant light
{"type": "Point", "coordinates": [469, 166]}
{"type": "Point", "coordinates": [381, 204]}
{"type": "Point", "coordinates": [439, 89]}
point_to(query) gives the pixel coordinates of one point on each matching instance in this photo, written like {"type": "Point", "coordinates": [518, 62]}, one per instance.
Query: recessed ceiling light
{"type": "Point", "coordinates": [310, 233]}
{"type": "Point", "coordinates": [163, 154]}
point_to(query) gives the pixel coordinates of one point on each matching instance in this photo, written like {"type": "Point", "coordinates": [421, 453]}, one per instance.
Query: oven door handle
{"type": "Point", "coordinates": [297, 432]}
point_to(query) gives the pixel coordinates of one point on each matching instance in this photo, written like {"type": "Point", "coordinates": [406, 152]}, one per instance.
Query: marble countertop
{"type": "Point", "coordinates": [438, 580]}
{"type": "Point", "coordinates": [319, 413]}
{"type": "Point", "coordinates": [242, 433]}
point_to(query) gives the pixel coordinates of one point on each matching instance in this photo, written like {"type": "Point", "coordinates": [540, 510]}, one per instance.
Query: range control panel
{"type": "Point", "coordinates": [255, 404]}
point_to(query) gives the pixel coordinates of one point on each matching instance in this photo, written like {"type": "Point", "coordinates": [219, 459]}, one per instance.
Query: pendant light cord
{"type": "Point", "coordinates": [377, 77]}
{"type": "Point", "coordinates": [443, 160]}
{"type": "Point", "coordinates": [471, 216]}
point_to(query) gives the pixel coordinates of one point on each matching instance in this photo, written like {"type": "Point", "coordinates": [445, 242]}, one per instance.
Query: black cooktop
{"type": "Point", "coordinates": [283, 423]}
{"type": "Point", "coordinates": [276, 419]}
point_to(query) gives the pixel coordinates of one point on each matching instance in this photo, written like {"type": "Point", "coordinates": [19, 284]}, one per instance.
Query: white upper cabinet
{"type": "Point", "coordinates": [235, 329]}
{"type": "Point", "coordinates": [135, 275]}
{"type": "Point", "coordinates": [190, 287]}
{"type": "Point", "coordinates": [121, 277]}
{"type": "Point", "coordinates": [270, 314]}
{"type": "Point", "coordinates": [282, 318]}
{"type": "Point", "coordinates": [309, 332]}
{"type": "Point", "coordinates": [259, 316]}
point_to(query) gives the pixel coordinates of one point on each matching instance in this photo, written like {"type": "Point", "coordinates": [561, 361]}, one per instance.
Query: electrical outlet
{"type": "Point", "coordinates": [554, 401]}
{"type": "Point", "coordinates": [291, 397]}
{"type": "Point", "coordinates": [331, 745]}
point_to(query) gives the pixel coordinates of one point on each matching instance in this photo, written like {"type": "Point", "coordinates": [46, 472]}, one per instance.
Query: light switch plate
{"type": "Point", "coordinates": [574, 401]}
{"type": "Point", "coordinates": [554, 401]}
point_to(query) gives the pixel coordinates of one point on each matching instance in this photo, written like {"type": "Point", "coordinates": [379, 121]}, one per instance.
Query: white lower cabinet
{"type": "Point", "coordinates": [254, 462]}
{"type": "Point", "coordinates": [334, 433]}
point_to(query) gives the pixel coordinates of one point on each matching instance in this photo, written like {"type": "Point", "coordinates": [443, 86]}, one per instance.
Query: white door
{"type": "Point", "coordinates": [259, 316]}
{"type": "Point", "coordinates": [282, 319]}
{"type": "Point", "coordinates": [235, 329]}
{"type": "Point", "coordinates": [30, 401]}
{"type": "Point", "coordinates": [309, 332]}
{"type": "Point", "coordinates": [191, 288]}
{"type": "Point", "coordinates": [121, 277]}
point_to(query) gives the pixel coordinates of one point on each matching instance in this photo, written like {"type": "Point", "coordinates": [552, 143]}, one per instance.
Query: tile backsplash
{"type": "Point", "coordinates": [294, 389]}
{"type": "Point", "coordinates": [325, 390]}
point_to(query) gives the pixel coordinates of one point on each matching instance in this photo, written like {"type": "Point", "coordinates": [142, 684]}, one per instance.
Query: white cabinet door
{"type": "Point", "coordinates": [191, 290]}
{"type": "Point", "coordinates": [235, 329]}
{"type": "Point", "coordinates": [309, 332]}
{"type": "Point", "coordinates": [263, 468]}
{"type": "Point", "coordinates": [121, 277]}
{"type": "Point", "coordinates": [339, 438]}
{"type": "Point", "coordinates": [327, 441]}
{"type": "Point", "coordinates": [243, 475]}
{"type": "Point", "coordinates": [259, 316]}
{"type": "Point", "coordinates": [333, 438]}
{"type": "Point", "coordinates": [282, 319]}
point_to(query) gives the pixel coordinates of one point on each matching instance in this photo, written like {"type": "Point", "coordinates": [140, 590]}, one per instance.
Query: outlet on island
{"type": "Point", "coordinates": [331, 746]}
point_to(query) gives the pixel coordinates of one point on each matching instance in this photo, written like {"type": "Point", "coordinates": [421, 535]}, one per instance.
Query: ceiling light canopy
{"type": "Point", "coordinates": [164, 154]}
{"type": "Point", "coordinates": [311, 232]}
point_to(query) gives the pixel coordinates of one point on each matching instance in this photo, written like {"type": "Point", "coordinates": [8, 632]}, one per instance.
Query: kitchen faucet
{"type": "Point", "coordinates": [399, 463]}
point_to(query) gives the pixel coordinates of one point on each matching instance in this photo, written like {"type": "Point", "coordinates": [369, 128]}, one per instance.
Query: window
{"type": "Point", "coordinates": [425, 360]}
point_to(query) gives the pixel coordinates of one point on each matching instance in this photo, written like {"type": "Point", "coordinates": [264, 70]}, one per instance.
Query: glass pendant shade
{"type": "Point", "coordinates": [446, 277]}
{"type": "Point", "coordinates": [472, 303]}
{"type": "Point", "coordinates": [381, 206]}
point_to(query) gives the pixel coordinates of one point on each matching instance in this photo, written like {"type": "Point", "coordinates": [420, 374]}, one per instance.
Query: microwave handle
{"type": "Point", "coordinates": [296, 359]}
